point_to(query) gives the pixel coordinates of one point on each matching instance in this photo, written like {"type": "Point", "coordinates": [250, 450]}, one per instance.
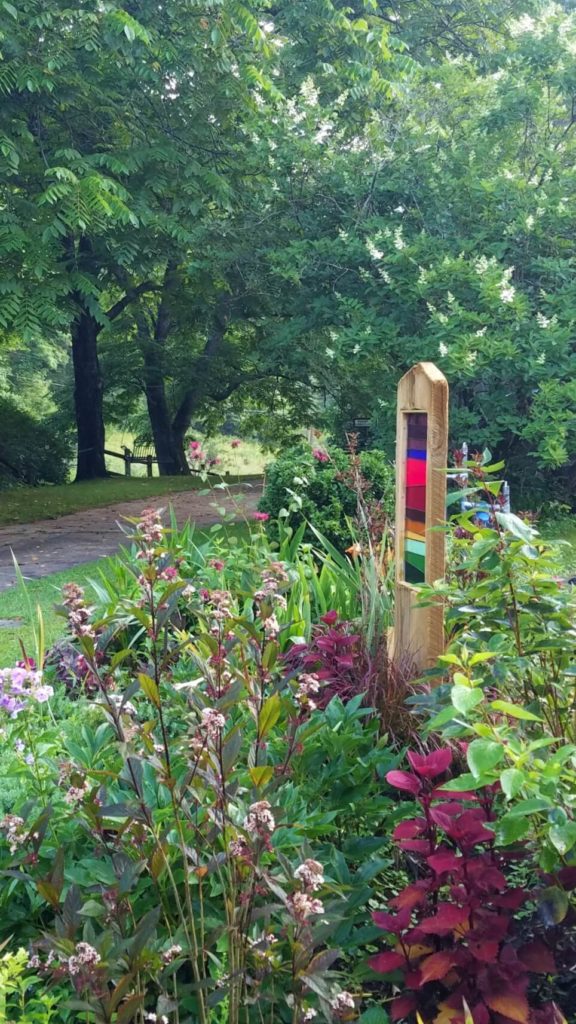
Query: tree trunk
{"type": "Point", "coordinates": [194, 395]}
{"type": "Point", "coordinates": [88, 398]}
{"type": "Point", "coordinates": [167, 453]}
{"type": "Point", "coordinates": [171, 460]}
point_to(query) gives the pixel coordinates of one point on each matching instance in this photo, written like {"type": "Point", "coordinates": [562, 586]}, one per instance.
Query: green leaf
{"type": "Point", "coordinates": [269, 715]}
{"type": "Point", "coordinates": [514, 710]}
{"type": "Point", "coordinates": [10, 8]}
{"type": "Point", "coordinates": [534, 805]}
{"type": "Point", "coordinates": [149, 688]}
{"type": "Point", "coordinates": [144, 932]}
{"type": "Point", "coordinates": [482, 755]}
{"type": "Point", "coordinates": [374, 1015]}
{"type": "Point", "coordinates": [554, 904]}
{"type": "Point", "coordinates": [511, 830]}
{"type": "Point", "coordinates": [482, 656]}
{"type": "Point", "coordinates": [511, 780]}
{"type": "Point", "coordinates": [92, 909]}
{"type": "Point", "coordinates": [516, 526]}
{"type": "Point", "coordinates": [466, 699]}
{"type": "Point", "coordinates": [563, 837]}
{"type": "Point", "coordinates": [446, 715]}
{"type": "Point", "coordinates": [261, 776]}
{"type": "Point", "coordinates": [462, 784]}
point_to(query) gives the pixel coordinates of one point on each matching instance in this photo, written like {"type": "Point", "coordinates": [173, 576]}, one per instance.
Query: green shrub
{"type": "Point", "coordinates": [303, 488]}
{"type": "Point", "coordinates": [31, 451]}
{"type": "Point", "coordinates": [171, 851]}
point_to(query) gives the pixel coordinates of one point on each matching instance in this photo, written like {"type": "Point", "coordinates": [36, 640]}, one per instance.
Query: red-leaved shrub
{"type": "Point", "coordinates": [456, 942]}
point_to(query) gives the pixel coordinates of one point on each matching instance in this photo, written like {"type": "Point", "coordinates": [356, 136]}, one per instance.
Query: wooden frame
{"type": "Point", "coordinates": [423, 391]}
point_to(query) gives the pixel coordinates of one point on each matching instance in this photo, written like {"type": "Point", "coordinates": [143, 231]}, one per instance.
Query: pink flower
{"type": "Point", "coordinates": [319, 455]}
{"type": "Point", "coordinates": [236, 443]}
{"type": "Point", "coordinates": [169, 573]}
{"type": "Point", "coordinates": [217, 564]}
{"type": "Point", "coordinates": [310, 874]}
{"type": "Point", "coordinates": [194, 446]}
{"type": "Point", "coordinates": [212, 722]}
{"type": "Point", "coordinates": [304, 906]}
{"type": "Point", "coordinates": [261, 517]}
{"type": "Point", "coordinates": [259, 821]}
{"type": "Point", "coordinates": [343, 1005]}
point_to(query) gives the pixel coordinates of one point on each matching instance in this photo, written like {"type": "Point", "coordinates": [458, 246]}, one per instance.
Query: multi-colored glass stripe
{"type": "Point", "coordinates": [414, 527]}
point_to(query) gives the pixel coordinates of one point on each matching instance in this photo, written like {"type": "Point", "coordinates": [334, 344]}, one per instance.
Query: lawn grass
{"type": "Point", "coordinates": [21, 601]}
{"type": "Point", "coordinates": [15, 603]}
{"type": "Point", "coordinates": [27, 504]}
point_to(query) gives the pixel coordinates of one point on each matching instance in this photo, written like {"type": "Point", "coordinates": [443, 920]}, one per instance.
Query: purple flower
{"type": "Point", "coordinates": [19, 686]}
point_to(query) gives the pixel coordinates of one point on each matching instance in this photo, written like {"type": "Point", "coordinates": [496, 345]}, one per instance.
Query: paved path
{"type": "Point", "coordinates": [51, 545]}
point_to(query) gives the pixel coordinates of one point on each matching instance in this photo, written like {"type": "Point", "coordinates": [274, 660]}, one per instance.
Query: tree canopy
{"type": "Point", "coordinates": [280, 207]}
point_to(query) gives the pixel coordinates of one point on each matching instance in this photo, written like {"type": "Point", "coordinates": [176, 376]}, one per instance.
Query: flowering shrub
{"type": "Point", "coordinates": [196, 890]}
{"type": "Point", "coordinates": [457, 944]}
{"type": "Point", "coordinates": [314, 486]}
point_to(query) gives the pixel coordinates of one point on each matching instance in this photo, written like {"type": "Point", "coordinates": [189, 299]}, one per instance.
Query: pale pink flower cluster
{"type": "Point", "coordinates": [304, 906]}
{"type": "Point", "coordinates": [308, 687]}
{"type": "Point", "coordinates": [271, 627]}
{"type": "Point", "coordinates": [78, 611]}
{"type": "Point", "coordinates": [220, 601]}
{"type": "Point", "coordinates": [262, 940]}
{"type": "Point", "coordinates": [16, 833]}
{"type": "Point", "coordinates": [169, 573]}
{"type": "Point", "coordinates": [150, 530]}
{"type": "Point", "coordinates": [83, 959]}
{"type": "Point", "coordinates": [309, 1015]}
{"type": "Point", "coordinates": [212, 722]}
{"type": "Point", "coordinates": [343, 1004]}
{"type": "Point", "coordinates": [238, 848]}
{"type": "Point", "coordinates": [260, 821]}
{"type": "Point", "coordinates": [77, 793]}
{"type": "Point", "coordinates": [171, 954]}
{"type": "Point", "coordinates": [311, 874]}
{"type": "Point", "coordinates": [272, 578]}
{"type": "Point", "coordinates": [35, 963]}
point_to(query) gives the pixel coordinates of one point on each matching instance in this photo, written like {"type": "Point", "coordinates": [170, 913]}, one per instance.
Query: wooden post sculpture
{"type": "Point", "coordinates": [421, 459]}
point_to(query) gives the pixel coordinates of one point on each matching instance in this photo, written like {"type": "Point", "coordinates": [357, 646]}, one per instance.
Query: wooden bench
{"type": "Point", "coordinates": [143, 454]}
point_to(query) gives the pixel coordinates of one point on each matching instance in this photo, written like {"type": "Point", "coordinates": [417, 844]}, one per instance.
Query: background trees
{"type": "Point", "coordinates": [278, 208]}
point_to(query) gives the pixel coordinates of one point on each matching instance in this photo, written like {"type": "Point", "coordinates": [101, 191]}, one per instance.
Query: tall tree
{"type": "Point", "coordinates": [123, 124]}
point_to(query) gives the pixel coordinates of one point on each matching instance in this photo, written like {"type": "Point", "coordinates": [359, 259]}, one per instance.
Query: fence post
{"type": "Point", "coordinates": [421, 458]}
{"type": "Point", "coordinates": [127, 462]}
{"type": "Point", "coordinates": [149, 465]}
